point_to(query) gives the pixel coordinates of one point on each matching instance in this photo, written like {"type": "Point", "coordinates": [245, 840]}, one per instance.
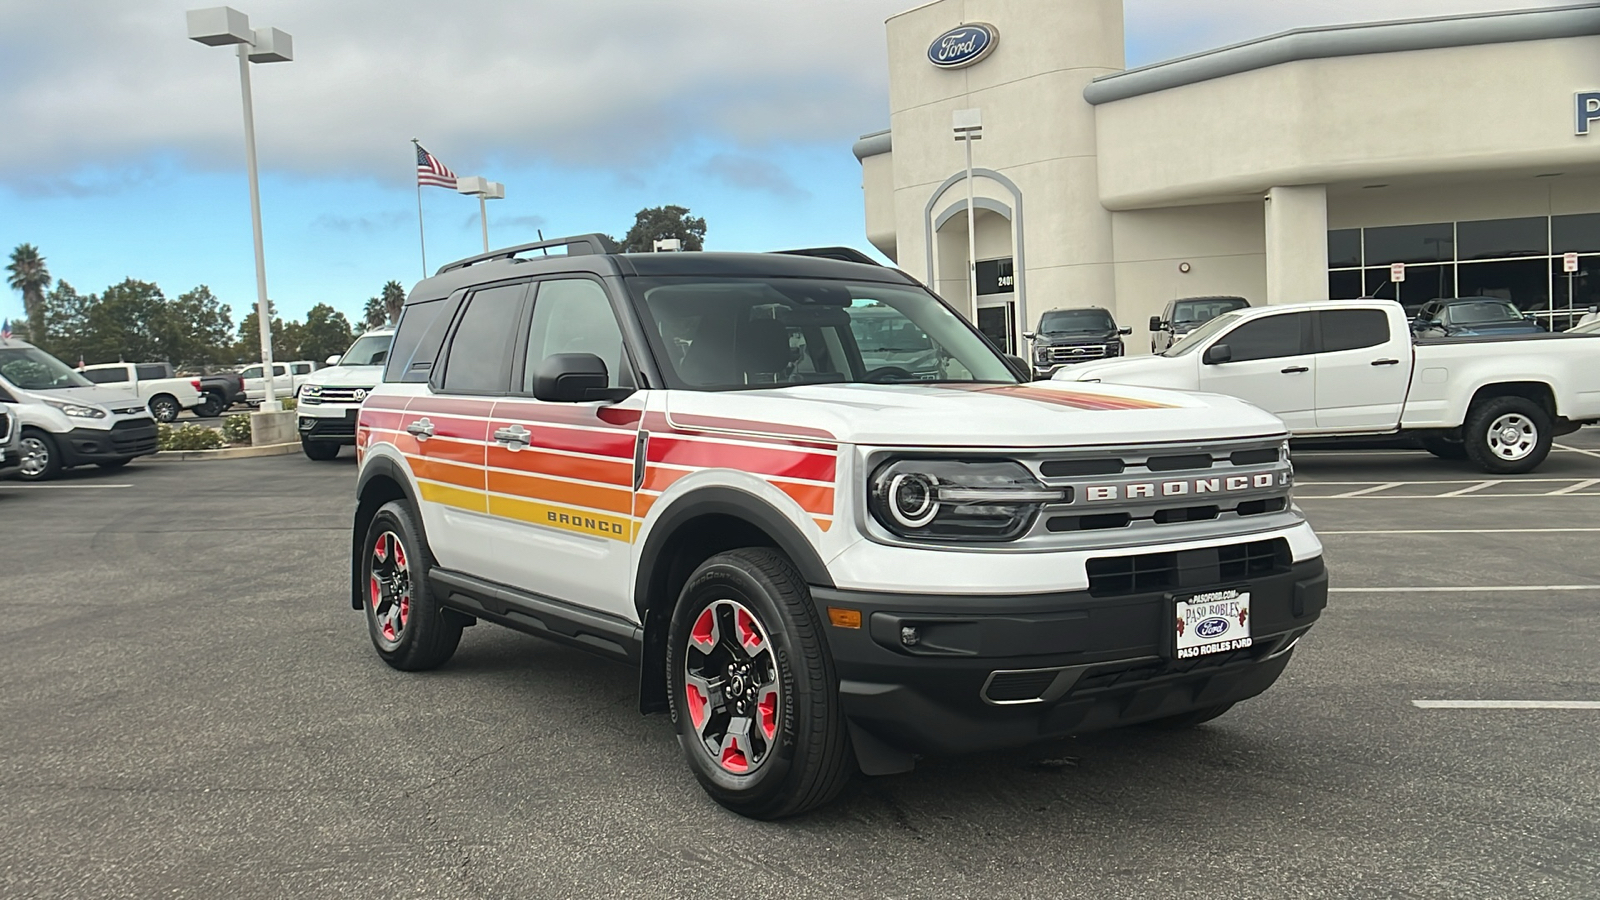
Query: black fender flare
{"type": "Point", "coordinates": [372, 468]}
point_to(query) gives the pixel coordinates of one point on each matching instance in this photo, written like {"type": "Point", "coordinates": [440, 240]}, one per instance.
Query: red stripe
{"type": "Point", "coordinates": [658, 426]}
{"type": "Point", "coordinates": [376, 418]}
{"type": "Point", "coordinates": [450, 406]}
{"type": "Point", "coordinates": [756, 460]}
{"type": "Point", "coordinates": [693, 421]}
{"type": "Point", "coordinates": [377, 402]}
{"type": "Point", "coordinates": [616, 444]}
{"type": "Point", "coordinates": [568, 414]}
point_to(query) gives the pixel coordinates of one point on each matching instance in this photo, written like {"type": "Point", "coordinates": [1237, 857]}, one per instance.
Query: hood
{"type": "Point", "coordinates": [100, 396]}
{"type": "Point", "coordinates": [1172, 373]}
{"type": "Point", "coordinates": [1057, 338]}
{"type": "Point", "coordinates": [1043, 414]}
{"type": "Point", "coordinates": [347, 376]}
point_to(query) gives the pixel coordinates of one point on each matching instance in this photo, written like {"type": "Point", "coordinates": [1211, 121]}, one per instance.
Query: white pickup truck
{"type": "Point", "coordinates": [1351, 369]}
{"type": "Point", "coordinates": [154, 383]}
{"type": "Point", "coordinates": [287, 379]}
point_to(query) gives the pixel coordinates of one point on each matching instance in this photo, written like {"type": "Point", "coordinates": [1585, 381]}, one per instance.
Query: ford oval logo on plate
{"type": "Point", "coordinates": [1211, 628]}
{"type": "Point", "coordinates": [963, 46]}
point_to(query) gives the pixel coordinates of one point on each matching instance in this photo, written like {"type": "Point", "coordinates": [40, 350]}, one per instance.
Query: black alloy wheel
{"type": "Point", "coordinates": [211, 405]}
{"type": "Point", "coordinates": [408, 627]}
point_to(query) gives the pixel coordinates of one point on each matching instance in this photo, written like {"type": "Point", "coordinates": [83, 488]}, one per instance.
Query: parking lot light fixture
{"type": "Point", "coordinates": [485, 190]}
{"type": "Point", "coordinates": [220, 26]}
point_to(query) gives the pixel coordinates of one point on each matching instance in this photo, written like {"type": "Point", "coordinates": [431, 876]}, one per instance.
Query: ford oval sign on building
{"type": "Point", "coordinates": [963, 46]}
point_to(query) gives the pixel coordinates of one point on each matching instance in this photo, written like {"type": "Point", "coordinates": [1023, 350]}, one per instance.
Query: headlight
{"type": "Point", "coordinates": [78, 410]}
{"type": "Point", "coordinates": [1042, 354]}
{"type": "Point", "coordinates": [312, 390]}
{"type": "Point", "coordinates": [955, 500]}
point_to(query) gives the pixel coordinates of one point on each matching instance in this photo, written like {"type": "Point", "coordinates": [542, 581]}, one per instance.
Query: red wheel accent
{"type": "Point", "coordinates": [749, 636]}
{"type": "Point", "coordinates": [733, 758]}
{"type": "Point", "coordinates": [704, 632]}
{"type": "Point", "coordinates": [399, 555]}
{"type": "Point", "coordinates": [405, 609]}
{"type": "Point", "coordinates": [377, 592]}
{"type": "Point", "coordinates": [380, 550]}
{"type": "Point", "coordinates": [697, 707]}
{"type": "Point", "coordinates": [767, 715]}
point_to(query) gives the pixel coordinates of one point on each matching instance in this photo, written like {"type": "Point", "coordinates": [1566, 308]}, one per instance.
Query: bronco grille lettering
{"type": "Point", "coordinates": [1150, 490]}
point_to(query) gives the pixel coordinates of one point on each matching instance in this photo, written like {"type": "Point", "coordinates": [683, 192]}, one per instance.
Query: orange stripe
{"type": "Point", "coordinates": [642, 504]}
{"type": "Point", "coordinates": [470, 454]}
{"type": "Point", "coordinates": [824, 524]}
{"type": "Point", "coordinates": [659, 479]}
{"type": "Point", "coordinates": [617, 500]}
{"type": "Point", "coordinates": [460, 476]}
{"type": "Point", "coordinates": [538, 462]}
{"type": "Point", "coordinates": [812, 499]}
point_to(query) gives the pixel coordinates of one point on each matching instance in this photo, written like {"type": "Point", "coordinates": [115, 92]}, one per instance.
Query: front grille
{"type": "Point", "coordinates": [1151, 573]}
{"type": "Point", "coordinates": [1076, 354]}
{"type": "Point", "coordinates": [340, 395]}
{"type": "Point", "coordinates": [134, 438]}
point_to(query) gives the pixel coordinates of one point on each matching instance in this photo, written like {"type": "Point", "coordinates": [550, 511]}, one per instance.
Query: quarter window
{"type": "Point", "coordinates": [107, 376]}
{"type": "Point", "coordinates": [573, 315]}
{"type": "Point", "coordinates": [1353, 329]}
{"type": "Point", "coordinates": [416, 342]}
{"type": "Point", "coordinates": [479, 360]}
{"type": "Point", "coordinates": [1267, 338]}
{"type": "Point", "coordinates": [147, 373]}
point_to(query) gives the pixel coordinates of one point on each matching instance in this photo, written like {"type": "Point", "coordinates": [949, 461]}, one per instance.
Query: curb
{"type": "Point", "coordinates": [225, 453]}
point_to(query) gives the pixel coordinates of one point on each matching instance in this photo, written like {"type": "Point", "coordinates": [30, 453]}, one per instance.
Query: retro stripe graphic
{"type": "Point", "coordinates": [576, 472]}
{"type": "Point", "coordinates": [1071, 399]}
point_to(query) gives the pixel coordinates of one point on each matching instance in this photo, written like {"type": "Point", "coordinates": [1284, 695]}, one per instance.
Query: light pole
{"type": "Point", "coordinates": [968, 126]}
{"type": "Point", "coordinates": [484, 190]}
{"type": "Point", "coordinates": [215, 27]}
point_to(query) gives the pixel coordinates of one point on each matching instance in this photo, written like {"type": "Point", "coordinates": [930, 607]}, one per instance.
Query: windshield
{"type": "Point", "coordinates": [1070, 321]}
{"type": "Point", "coordinates": [32, 369]}
{"type": "Point", "coordinates": [1202, 334]}
{"type": "Point", "coordinates": [1482, 313]}
{"type": "Point", "coordinates": [733, 333]}
{"type": "Point", "coordinates": [368, 350]}
{"type": "Point", "coordinates": [1193, 312]}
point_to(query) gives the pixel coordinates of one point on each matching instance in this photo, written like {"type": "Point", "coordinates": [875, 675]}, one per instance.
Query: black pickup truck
{"type": "Point", "coordinates": [219, 392]}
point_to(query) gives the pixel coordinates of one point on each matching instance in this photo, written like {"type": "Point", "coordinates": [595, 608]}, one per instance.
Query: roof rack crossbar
{"type": "Point", "coordinates": [577, 245]}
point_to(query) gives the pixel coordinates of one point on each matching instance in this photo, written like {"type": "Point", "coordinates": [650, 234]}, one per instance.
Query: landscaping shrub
{"type": "Point", "coordinates": [189, 437]}
{"type": "Point", "coordinates": [236, 428]}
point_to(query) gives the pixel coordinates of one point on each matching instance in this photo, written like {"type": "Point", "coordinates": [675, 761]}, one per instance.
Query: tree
{"type": "Point", "coordinates": [29, 275]}
{"type": "Point", "coordinates": [67, 322]}
{"type": "Point", "coordinates": [374, 316]}
{"type": "Point", "coordinates": [248, 349]}
{"type": "Point", "coordinates": [394, 297]}
{"type": "Point", "coordinates": [660, 223]}
{"type": "Point", "coordinates": [203, 326]}
{"type": "Point", "coordinates": [325, 333]}
{"type": "Point", "coordinates": [130, 323]}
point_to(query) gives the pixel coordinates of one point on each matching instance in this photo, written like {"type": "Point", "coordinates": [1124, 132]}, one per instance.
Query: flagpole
{"type": "Point", "coordinates": [422, 236]}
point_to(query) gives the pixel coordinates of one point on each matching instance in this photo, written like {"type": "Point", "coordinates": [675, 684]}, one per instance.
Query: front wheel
{"type": "Point", "coordinates": [753, 690]}
{"type": "Point", "coordinates": [409, 628]}
{"type": "Point", "coordinates": [41, 460]}
{"type": "Point", "coordinates": [319, 450]}
{"type": "Point", "coordinates": [1508, 435]}
{"type": "Point", "coordinates": [165, 408]}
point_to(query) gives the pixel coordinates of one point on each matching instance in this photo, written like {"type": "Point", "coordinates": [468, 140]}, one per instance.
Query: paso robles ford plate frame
{"type": "Point", "coordinates": [1207, 623]}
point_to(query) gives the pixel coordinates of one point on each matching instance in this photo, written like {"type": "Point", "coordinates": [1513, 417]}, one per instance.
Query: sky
{"type": "Point", "coordinates": [122, 152]}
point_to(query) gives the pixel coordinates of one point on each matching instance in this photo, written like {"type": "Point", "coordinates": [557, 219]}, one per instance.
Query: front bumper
{"type": "Point", "coordinates": [335, 425]}
{"type": "Point", "coordinates": [991, 672]}
{"type": "Point", "coordinates": [123, 440]}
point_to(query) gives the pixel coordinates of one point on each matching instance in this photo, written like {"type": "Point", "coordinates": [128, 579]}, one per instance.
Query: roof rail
{"type": "Point", "coordinates": [843, 254]}
{"type": "Point", "coordinates": [578, 245]}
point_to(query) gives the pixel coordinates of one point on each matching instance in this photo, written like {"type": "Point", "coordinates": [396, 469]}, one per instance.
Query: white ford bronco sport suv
{"type": "Point", "coordinates": [331, 396]}
{"type": "Point", "coordinates": [680, 461]}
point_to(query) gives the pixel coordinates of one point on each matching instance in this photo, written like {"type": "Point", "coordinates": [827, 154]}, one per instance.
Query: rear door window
{"type": "Point", "coordinates": [1353, 329]}
{"type": "Point", "coordinates": [107, 376]}
{"type": "Point", "coordinates": [480, 354]}
{"type": "Point", "coordinates": [151, 372]}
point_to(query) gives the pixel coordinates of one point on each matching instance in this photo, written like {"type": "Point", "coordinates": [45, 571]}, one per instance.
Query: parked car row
{"type": "Point", "coordinates": [66, 420]}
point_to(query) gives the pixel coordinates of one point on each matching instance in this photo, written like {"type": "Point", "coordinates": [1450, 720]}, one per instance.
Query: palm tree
{"type": "Point", "coordinates": [30, 276]}
{"type": "Point", "coordinates": [394, 297]}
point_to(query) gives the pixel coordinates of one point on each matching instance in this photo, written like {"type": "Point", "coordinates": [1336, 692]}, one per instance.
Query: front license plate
{"type": "Point", "coordinates": [1216, 622]}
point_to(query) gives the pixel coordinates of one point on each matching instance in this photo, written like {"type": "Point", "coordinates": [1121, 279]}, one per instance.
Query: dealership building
{"type": "Point", "coordinates": [1414, 159]}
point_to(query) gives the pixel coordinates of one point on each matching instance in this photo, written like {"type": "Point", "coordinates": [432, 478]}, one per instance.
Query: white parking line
{"type": "Point", "coordinates": [1492, 589]}
{"type": "Point", "coordinates": [1576, 450]}
{"type": "Point", "coordinates": [64, 487]}
{"type": "Point", "coordinates": [1506, 704]}
{"type": "Point", "coordinates": [1580, 486]}
{"type": "Point", "coordinates": [1322, 533]}
{"type": "Point", "coordinates": [1371, 490]}
{"type": "Point", "coordinates": [1471, 489]}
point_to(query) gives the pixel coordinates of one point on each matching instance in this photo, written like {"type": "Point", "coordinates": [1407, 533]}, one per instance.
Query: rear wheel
{"type": "Point", "coordinates": [1508, 435]}
{"type": "Point", "coordinates": [753, 691]}
{"type": "Point", "coordinates": [409, 628]}
{"type": "Point", "coordinates": [211, 405]}
{"type": "Point", "coordinates": [165, 408]}
{"type": "Point", "coordinates": [320, 450]}
{"type": "Point", "coordinates": [41, 460]}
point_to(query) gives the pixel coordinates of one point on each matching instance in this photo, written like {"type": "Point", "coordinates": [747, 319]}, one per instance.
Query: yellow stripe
{"type": "Point", "coordinates": [460, 498]}
{"type": "Point", "coordinates": [565, 518]}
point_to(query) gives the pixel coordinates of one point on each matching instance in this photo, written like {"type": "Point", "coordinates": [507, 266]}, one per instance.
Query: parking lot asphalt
{"type": "Point", "coordinates": [191, 708]}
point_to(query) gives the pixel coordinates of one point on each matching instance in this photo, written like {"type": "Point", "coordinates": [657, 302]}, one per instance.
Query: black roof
{"type": "Point", "coordinates": [597, 255]}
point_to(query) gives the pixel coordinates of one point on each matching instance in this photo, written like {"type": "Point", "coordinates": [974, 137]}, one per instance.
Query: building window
{"type": "Point", "coordinates": [1519, 260]}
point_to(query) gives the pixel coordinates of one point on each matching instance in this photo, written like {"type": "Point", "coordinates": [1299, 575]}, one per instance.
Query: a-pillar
{"type": "Point", "coordinates": [1297, 243]}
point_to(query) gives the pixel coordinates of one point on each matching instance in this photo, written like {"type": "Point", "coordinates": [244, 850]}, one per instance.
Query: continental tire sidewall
{"type": "Point", "coordinates": [428, 638]}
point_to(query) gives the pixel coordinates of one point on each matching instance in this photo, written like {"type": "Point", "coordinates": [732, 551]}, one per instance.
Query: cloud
{"type": "Point", "coordinates": [753, 173]}
{"type": "Point", "coordinates": [369, 224]}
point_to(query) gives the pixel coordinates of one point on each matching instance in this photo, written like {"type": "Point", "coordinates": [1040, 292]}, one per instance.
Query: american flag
{"type": "Point", "coordinates": [5, 330]}
{"type": "Point", "coordinates": [431, 171]}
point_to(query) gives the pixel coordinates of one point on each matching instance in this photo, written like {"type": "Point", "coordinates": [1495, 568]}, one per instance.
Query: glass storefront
{"type": "Point", "coordinates": [1520, 260]}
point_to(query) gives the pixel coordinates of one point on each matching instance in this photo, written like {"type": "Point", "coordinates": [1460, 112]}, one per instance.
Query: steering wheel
{"type": "Point", "coordinates": [887, 375]}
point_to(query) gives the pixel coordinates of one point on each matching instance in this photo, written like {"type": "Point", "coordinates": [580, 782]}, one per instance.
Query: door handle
{"type": "Point", "coordinates": [1295, 370]}
{"type": "Point", "coordinates": [422, 428]}
{"type": "Point", "coordinates": [1386, 362]}
{"type": "Point", "coordinates": [514, 437]}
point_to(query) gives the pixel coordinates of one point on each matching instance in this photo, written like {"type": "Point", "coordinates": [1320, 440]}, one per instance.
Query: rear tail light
{"type": "Point", "coordinates": [196, 383]}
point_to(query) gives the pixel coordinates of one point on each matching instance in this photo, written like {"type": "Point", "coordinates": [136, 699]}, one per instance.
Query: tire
{"type": "Point", "coordinates": [775, 717]}
{"type": "Point", "coordinates": [1508, 435]}
{"type": "Point", "coordinates": [408, 627]}
{"type": "Point", "coordinates": [211, 405]}
{"type": "Point", "coordinates": [319, 450]}
{"type": "Point", "coordinates": [165, 408]}
{"type": "Point", "coordinates": [41, 458]}
{"type": "Point", "coordinates": [111, 465]}
{"type": "Point", "coordinates": [1190, 719]}
{"type": "Point", "coordinates": [1445, 449]}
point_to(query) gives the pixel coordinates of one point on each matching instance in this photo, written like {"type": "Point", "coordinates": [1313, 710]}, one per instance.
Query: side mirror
{"type": "Point", "coordinates": [1218, 353]}
{"type": "Point", "coordinates": [1020, 367]}
{"type": "Point", "coordinates": [1125, 330]}
{"type": "Point", "coordinates": [574, 378]}
{"type": "Point", "coordinates": [1030, 335]}
{"type": "Point", "coordinates": [1155, 324]}
{"type": "Point", "coordinates": [334, 360]}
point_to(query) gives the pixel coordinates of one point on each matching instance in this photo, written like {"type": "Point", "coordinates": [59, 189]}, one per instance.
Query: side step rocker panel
{"type": "Point", "coordinates": [540, 616]}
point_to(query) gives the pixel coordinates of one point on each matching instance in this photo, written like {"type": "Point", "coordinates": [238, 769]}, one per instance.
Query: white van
{"type": "Point", "coordinates": [66, 420]}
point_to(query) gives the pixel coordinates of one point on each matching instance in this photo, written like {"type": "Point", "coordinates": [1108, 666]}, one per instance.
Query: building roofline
{"type": "Point", "coordinates": [1332, 41]}
{"type": "Point", "coordinates": [873, 144]}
